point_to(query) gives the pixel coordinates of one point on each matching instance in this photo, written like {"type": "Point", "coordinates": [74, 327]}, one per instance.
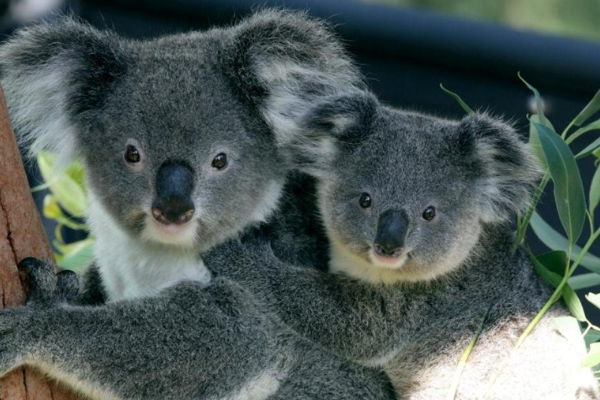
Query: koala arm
{"type": "Point", "coordinates": [356, 320]}
{"type": "Point", "coordinates": [178, 345]}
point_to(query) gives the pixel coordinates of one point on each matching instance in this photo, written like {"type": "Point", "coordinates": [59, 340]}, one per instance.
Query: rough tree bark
{"type": "Point", "coordinates": [21, 235]}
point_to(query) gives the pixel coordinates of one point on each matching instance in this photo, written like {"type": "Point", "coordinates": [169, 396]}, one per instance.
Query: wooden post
{"type": "Point", "coordinates": [21, 235]}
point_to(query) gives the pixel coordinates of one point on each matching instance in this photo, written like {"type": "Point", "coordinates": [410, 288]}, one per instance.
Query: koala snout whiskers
{"type": "Point", "coordinates": [391, 234]}
{"type": "Point", "coordinates": [174, 186]}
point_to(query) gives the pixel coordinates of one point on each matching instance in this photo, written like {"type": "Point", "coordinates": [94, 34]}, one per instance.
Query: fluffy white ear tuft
{"type": "Point", "coordinates": [289, 62]}
{"type": "Point", "coordinates": [507, 169]}
{"type": "Point", "coordinates": [52, 74]}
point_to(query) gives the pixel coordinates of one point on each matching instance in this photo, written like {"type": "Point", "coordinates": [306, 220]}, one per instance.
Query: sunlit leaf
{"type": "Point", "coordinates": [590, 109]}
{"type": "Point", "coordinates": [538, 103]}
{"type": "Point", "coordinates": [591, 337]}
{"type": "Point", "coordinates": [593, 298]}
{"type": "Point", "coordinates": [593, 356]}
{"type": "Point", "coordinates": [77, 256]}
{"type": "Point", "coordinates": [584, 281]}
{"type": "Point", "coordinates": [460, 101]}
{"type": "Point", "coordinates": [568, 186]}
{"type": "Point", "coordinates": [67, 191]}
{"type": "Point", "coordinates": [573, 303]}
{"type": "Point", "coordinates": [51, 208]}
{"type": "Point", "coordinates": [568, 327]}
{"type": "Point", "coordinates": [555, 240]}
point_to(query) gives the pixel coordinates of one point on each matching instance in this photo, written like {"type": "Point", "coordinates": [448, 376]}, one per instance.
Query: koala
{"type": "Point", "coordinates": [177, 140]}
{"type": "Point", "coordinates": [416, 210]}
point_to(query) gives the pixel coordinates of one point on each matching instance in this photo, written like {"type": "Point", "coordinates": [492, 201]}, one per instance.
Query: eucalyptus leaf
{"type": "Point", "coordinates": [460, 101]}
{"type": "Point", "coordinates": [593, 356]}
{"type": "Point", "coordinates": [591, 127]}
{"type": "Point", "coordinates": [590, 109]}
{"type": "Point", "coordinates": [595, 191]}
{"type": "Point", "coordinates": [551, 277]}
{"type": "Point", "coordinates": [555, 261]}
{"type": "Point", "coordinates": [568, 186]}
{"type": "Point", "coordinates": [593, 298]}
{"type": "Point", "coordinates": [584, 281]}
{"type": "Point", "coordinates": [77, 256]}
{"type": "Point", "coordinates": [594, 146]}
{"type": "Point", "coordinates": [538, 102]}
{"type": "Point", "coordinates": [555, 240]}
{"type": "Point", "coordinates": [573, 303]}
{"type": "Point", "coordinates": [534, 141]}
{"type": "Point", "coordinates": [69, 194]}
{"type": "Point", "coordinates": [568, 327]}
{"type": "Point", "coordinates": [591, 337]}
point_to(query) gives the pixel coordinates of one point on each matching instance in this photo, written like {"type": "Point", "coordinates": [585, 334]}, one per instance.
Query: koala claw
{"type": "Point", "coordinates": [46, 287]}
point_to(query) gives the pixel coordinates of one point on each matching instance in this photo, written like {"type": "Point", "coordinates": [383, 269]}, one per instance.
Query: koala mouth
{"type": "Point", "coordinates": [395, 260]}
{"type": "Point", "coordinates": [178, 234]}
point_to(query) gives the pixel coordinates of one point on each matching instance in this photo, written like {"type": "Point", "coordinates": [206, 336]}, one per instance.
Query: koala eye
{"type": "Point", "coordinates": [429, 213]}
{"type": "Point", "coordinates": [365, 200]}
{"type": "Point", "coordinates": [220, 161]}
{"type": "Point", "coordinates": [132, 154]}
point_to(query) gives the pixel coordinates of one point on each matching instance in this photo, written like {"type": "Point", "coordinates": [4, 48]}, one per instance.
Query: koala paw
{"type": "Point", "coordinates": [46, 287]}
{"type": "Point", "coordinates": [15, 337]}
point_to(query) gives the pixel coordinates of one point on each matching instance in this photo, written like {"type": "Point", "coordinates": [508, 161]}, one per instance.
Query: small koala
{"type": "Point", "coordinates": [175, 134]}
{"type": "Point", "coordinates": [417, 212]}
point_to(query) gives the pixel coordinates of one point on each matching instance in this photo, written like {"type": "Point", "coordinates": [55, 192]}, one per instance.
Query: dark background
{"type": "Point", "coordinates": [405, 55]}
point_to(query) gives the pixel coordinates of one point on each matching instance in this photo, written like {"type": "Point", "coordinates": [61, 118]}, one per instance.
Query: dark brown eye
{"type": "Point", "coordinates": [429, 213]}
{"type": "Point", "coordinates": [132, 155]}
{"type": "Point", "coordinates": [220, 161]}
{"type": "Point", "coordinates": [365, 200]}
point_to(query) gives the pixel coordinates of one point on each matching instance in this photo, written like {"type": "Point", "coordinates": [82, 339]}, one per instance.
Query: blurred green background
{"type": "Point", "coordinates": [577, 18]}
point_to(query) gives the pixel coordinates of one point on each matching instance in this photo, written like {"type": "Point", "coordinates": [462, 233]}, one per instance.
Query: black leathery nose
{"type": "Point", "coordinates": [174, 186]}
{"type": "Point", "coordinates": [391, 232]}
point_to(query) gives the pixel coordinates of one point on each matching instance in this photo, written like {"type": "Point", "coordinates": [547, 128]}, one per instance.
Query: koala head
{"type": "Point", "coordinates": [176, 132]}
{"type": "Point", "coordinates": [405, 196]}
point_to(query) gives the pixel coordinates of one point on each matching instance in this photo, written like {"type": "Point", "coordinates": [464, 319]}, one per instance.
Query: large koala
{"type": "Point", "coordinates": [176, 137]}
{"type": "Point", "coordinates": [416, 210]}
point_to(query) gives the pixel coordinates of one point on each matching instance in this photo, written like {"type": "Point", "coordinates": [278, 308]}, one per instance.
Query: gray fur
{"type": "Point", "coordinates": [87, 94]}
{"type": "Point", "coordinates": [415, 317]}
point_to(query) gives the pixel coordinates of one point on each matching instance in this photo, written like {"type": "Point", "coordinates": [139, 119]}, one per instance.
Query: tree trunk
{"type": "Point", "coordinates": [21, 235]}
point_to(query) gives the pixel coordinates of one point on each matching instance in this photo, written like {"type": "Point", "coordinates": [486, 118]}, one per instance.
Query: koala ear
{"type": "Point", "coordinates": [286, 62]}
{"type": "Point", "coordinates": [55, 76]}
{"type": "Point", "coordinates": [506, 170]}
{"type": "Point", "coordinates": [335, 122]}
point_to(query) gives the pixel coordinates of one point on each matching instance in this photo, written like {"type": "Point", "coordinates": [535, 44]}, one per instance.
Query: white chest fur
{"type": "Point", "coordinates": [131, 268]}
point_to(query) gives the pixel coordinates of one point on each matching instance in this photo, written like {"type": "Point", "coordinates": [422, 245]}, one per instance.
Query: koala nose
{"type": "Point", "coordinates": [174, 185]}
{"type": "Point", "coordinates": [391, 233]}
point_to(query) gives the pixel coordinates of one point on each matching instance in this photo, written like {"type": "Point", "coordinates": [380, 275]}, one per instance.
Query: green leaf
{"type": "Point", "coordinates": [568, 327]}
{"type": "Point", "coordinates": [538, 102]}
{"type": "Point", "coordinates": [534, 141]}
{"type": "Point", "coordinates": [460, 101]}
{"type": "Point", "coordinates": [593, 356]}
{"type": "Point", "coordinates": [584, 281]}
{"type": "Point", "coordinates": [595, 145]}
{"type": "Point", "coordinates": [573, 303]}
{"type": "Point", "coordinates": [555, 240]}
{"type": "Point", "coordinates": [593, 298]}
{"type": "Point", "coordinates": [77, 256]}
{"type": "Point", "coordinates": [590, 127]}
{"type": "Point", "coordinates": [591, 337]}
{"type": "Point", "coordinates": [551, 277]}
{"type": "Point", "coordinates": [555, 261]}
{"type": "Point", "coordinates": [568, 186]}
{"type": "Point", "coordinates": [595, 191]}
{"type": "Point", "coordinates": [590, 109]}
{"type": "Point", "coordinates": [67, 191]}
